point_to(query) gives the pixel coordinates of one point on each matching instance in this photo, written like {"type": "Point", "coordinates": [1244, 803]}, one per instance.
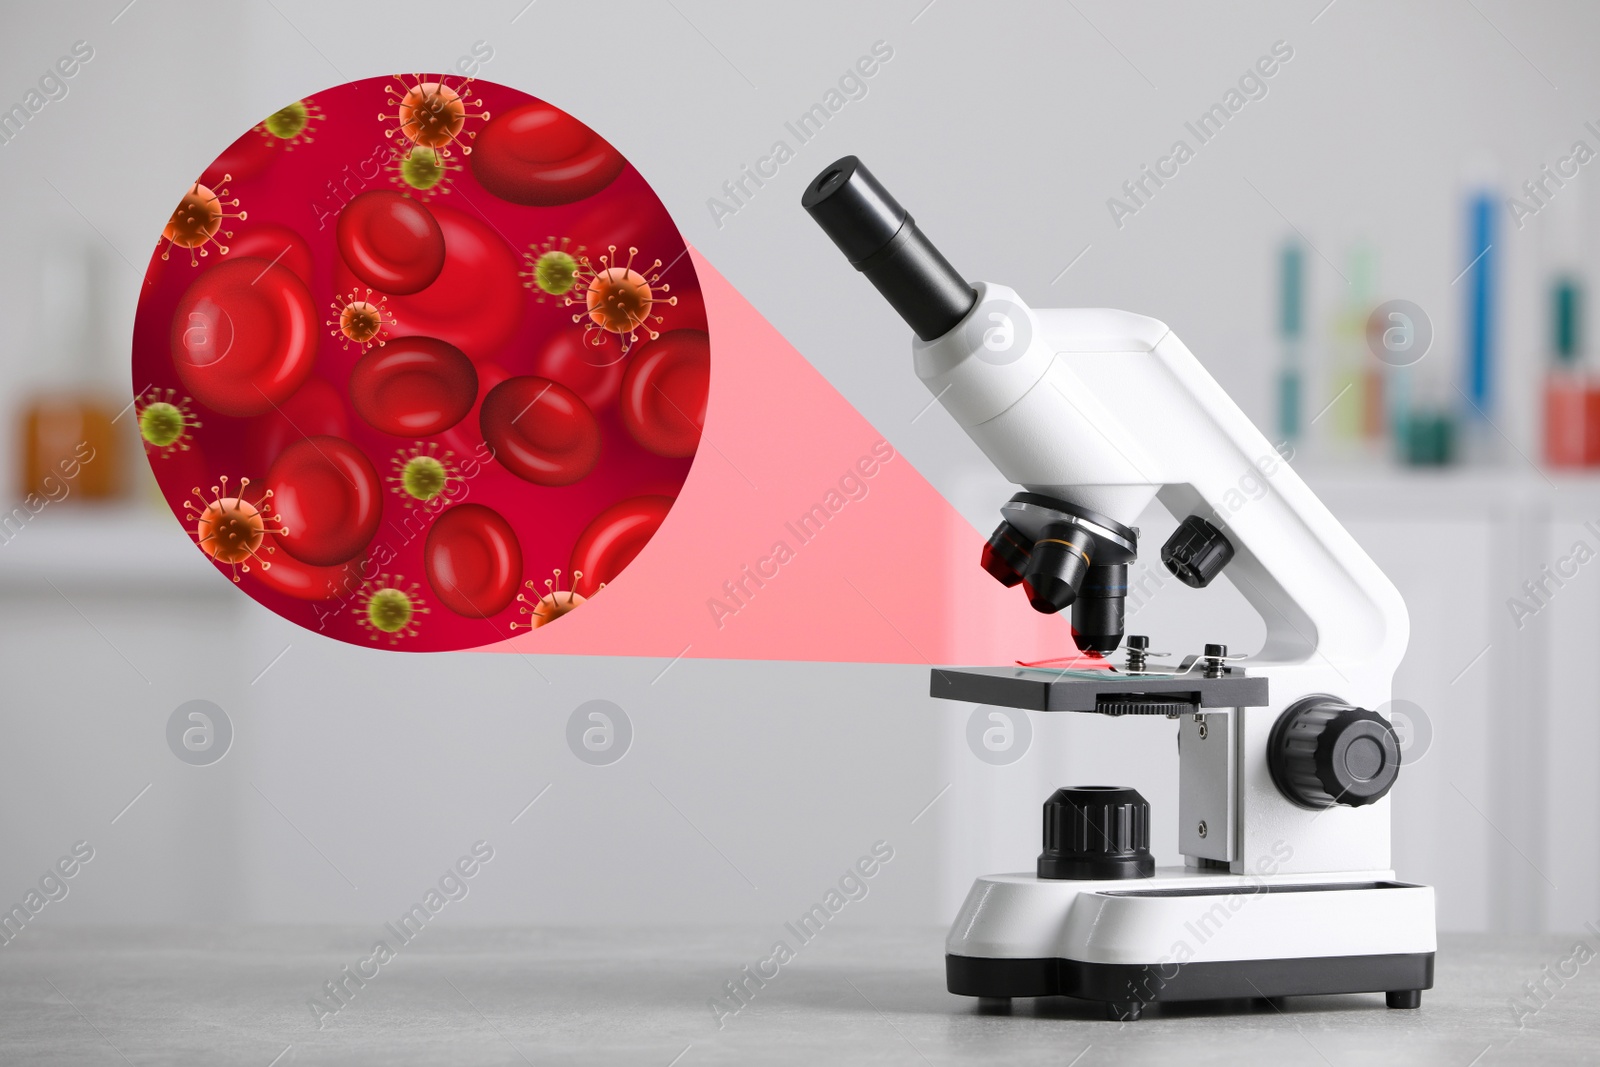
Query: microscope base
{"type": "Point", "coordinates": [1187, 934]}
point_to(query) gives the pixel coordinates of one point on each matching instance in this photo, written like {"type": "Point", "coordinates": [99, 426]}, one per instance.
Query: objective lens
{"type": "Point", "coordinates": [1059, 563]}
{"type": "Point", "coordinates": [1098, 613]}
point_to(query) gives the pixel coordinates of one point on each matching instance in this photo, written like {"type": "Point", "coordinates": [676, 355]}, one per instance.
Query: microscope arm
{"type": "Point", "coordinates": [1107, 410]}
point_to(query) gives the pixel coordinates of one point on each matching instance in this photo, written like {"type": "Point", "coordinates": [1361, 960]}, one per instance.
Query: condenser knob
{"type": "Point", "coordinates": [1196, 552]}
{"type": "Point", "coordinates": [1323, 752]}
{"type": "Point", "coordinates": [1096, 831]}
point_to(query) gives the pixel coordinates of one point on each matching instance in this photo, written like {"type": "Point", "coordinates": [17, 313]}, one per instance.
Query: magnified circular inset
{"type": "Point", "coordinates": [420, 361]}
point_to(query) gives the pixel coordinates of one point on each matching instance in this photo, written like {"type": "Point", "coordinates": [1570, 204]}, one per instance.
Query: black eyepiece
{"type": "Point", "coordinates": [881, 240]}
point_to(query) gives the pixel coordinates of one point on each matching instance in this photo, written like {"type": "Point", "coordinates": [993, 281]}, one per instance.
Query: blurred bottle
{"type": "Point", "coordinates": [1427, 434]}
{"type": "Point", "coordinates": [1479, 280]}
{"type": "Point", "coordinates": [1356, 390]}
{"type": "Point", "coordinates": [71, 447]}
{"type": "Point", "coordinates": [1567, 391]}
{"type": "Point", "coordinates": [1291, 328]}
{"type": "Point", "coordinates": [1427, 428]}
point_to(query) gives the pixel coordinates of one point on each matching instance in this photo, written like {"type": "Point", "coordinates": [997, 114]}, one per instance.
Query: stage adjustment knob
{"type": "Point", "coordinates": [1196, 552]}
{"type": "Point", "coordinates": [1096, 831]}
{"type": "Point", "coordinates": [1323, 752]}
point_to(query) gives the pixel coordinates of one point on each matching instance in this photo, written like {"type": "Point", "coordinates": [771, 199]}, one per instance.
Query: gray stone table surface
{"type": "Point", "coordinates": [535, 996]}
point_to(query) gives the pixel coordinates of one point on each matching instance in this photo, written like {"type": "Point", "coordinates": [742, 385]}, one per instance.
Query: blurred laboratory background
{"type": "Point", "coordinates": [1384, 249]}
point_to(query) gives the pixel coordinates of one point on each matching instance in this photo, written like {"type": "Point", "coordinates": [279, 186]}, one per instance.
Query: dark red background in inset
{"type": "Point", "coordinates": [288, 188]}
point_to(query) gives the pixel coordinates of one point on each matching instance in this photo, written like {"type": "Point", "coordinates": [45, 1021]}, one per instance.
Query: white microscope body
{"type": "Point", "coordinates": [1287, 888]}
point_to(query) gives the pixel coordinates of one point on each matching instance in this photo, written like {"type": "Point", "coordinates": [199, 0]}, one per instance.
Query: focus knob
{"type": "Point", "coordinates": [1096, 831]}
{"type": "Point", "coordinates": [1196, 552]}
{"type": "Point", "coordinates": [1324, 752]}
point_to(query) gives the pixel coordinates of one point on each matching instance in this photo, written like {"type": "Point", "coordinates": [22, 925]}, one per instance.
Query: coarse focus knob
{"type": "Point", "coordinates": [1096, 831]}
{"type": "Point", "coordinates": [1196, 552]}
{"type": "Point", "coordinates": [1323, 752]}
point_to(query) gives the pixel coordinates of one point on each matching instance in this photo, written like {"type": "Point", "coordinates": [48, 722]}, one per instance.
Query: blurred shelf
{"type": "Point", "coordinates": [1385, 491]}
{"type": "Point", "coordinates": [109, 548]}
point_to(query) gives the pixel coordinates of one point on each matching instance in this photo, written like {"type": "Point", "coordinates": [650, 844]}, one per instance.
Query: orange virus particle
{"type": "Point", "coordinates": [421, 474]}
{"type": "Point", "coordinates": [421, 172]}
{"type": "Point", "coordinates": [433, 114]}
{"type": "Point", "coordinates": [231, 529]}
{"type": "Point", "coordinates": [291, 125]}
{"type": "Point", "coordinates": [552, 267]}
{"type": "Point", "coordinates": [198, 218]}
{"type": "Point", "coordinates": [555, 602]}
{"type": "Point", "coordinates": [360, 320]}
{"type": "Point", "coordinates": [620, 299]}
{"type": "Point", "coordinates": [166, 422]}
{"type": "Point", "coordinates": [388, 607]}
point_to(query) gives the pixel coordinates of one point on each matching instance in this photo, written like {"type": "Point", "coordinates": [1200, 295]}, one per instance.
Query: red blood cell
{"type": "Point", "coordinates": [316, 409]}
{"type": "Point", "coordinates": [391, 242]}
{"type": "Point", "coordinates": [466, 439]}
{"type": "Point", "coordinates": [593, 373]}
{"type": "Point", "coordinates": [664, 392]}
{"type": "Point", "coordinates": [302, 581]}
{"type": "Point", "coordinates": [244, 336]}
{"type": "Point", "coordinates": [541, 156]}
{"type": "Point", "coordinates": [540, 430]}
{"type": "Point", "coordinates": [413, 387]}
{"type": "Point", "coordinates": [613, 538]}
{"type": "Point", "coordinates": [620, 221]}
{"type": "Point", "coordinates": [690, 312]}
{"type": "Point", "coordinates": [329, 496]}
{"type": "Point", "coordinates": [277, 244]}
{"type": "Point", "coordinates": [473, 560]}
{"type": "Point", "coordinates": [244, 158]}
{"type": "Point", "coordinates": [477, 302]}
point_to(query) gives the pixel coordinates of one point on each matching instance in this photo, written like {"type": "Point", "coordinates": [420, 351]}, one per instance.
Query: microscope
{"type": "Point", "coordinates": [1285, 756]}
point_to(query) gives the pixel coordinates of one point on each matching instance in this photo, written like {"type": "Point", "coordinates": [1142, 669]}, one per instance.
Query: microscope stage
{"type": "Point", "coordinates": [1108, 692]}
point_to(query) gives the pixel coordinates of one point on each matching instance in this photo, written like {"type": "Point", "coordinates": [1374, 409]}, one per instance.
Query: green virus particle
{"type": "Point", "coordinates": [388, 607]}
{"type": "Point", "coordinates": [422, 168]}
{"type": "Point", "coordinates": [421, 171]}
{"type": "Point", "coordinates": [552, 268]}
{"type": "Point", "coordinates": [293, 124]}
{"type": "Point", "coordinates": [166, 422]}
{"type": "Point", "coordinates": [421, 474]}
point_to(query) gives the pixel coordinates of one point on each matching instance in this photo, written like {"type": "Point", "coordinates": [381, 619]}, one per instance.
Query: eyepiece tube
{"type": "Point", "coordinates": [882, 241]}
